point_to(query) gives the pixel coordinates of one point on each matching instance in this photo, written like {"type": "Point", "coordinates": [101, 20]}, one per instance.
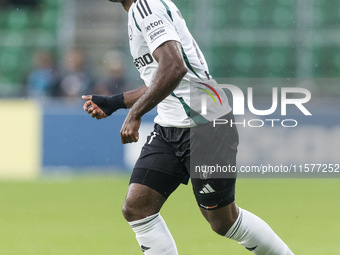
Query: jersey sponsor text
{"type": "Point", "coordinates": [153, 25]}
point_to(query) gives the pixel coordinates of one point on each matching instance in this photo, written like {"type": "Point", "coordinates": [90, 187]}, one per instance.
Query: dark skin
{"type": "Point", "coordinates": [142, 201]}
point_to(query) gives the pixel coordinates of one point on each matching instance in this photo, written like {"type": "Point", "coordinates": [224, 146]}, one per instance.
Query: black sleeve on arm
{"type": "Point", "coordinates": [109, 104]}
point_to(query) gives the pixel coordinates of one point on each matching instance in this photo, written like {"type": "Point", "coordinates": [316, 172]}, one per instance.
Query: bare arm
{"type": "Point", "coordinates": [131, 97]}
{"type": "Point", "coordinates": [170, 72]}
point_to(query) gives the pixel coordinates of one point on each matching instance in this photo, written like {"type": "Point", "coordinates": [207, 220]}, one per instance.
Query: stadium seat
{"type": "Point", "coordinates": [326, 62]}
{"type": "Point", "coordinates": [330, 13]}
{"type": "Point", "coordinates": [3, 19]}
{"type": "Point", "coordinates": [11, 59]}
{"type": "Point", "coordinates": [243, 60]}
{"type": "Point", "coordinates": [51, 4]}
{"type": "Point", "coordinates": [49, 20]}
{"type": "Point", "coordinates": [45, 39]}
{"type": "Point", "coordinates": [276, 60]}
{"type": "Point", "coordinates": [284, 17]}
{"type": "Point", "coordinates": [250, 17]}
{"type": "Point", "coordinates": [18, 19]}
{"type": "Point", "coordinates": [13, 38]}
{"type": "Point", "coordinates": [23, 31]}
{"type": "Point", "coordinates": [336, 60]}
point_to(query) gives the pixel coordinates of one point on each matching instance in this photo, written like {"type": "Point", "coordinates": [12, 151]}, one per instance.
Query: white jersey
{"type": "Point", "coordinates": [151, 23]}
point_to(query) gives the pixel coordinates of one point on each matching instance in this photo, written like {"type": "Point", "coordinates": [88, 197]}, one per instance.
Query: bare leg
{"type": "Point", "coordinates": [247, 229]}
{"type": "Point", "coordinates": [221, 219]}
{"type": "Point", "coordinates": [141, 202]}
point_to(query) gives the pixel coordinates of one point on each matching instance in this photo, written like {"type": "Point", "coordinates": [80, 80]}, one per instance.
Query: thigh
{"type": "Point", "coordinates": [164, 184]}
{"type": "Point", "coordinates": [213, 164]}
{"type": "Point", "coordinates": [160, 154]}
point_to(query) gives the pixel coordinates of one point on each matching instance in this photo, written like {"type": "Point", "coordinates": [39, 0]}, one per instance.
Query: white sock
{"type": "Point", "coordinates": [154, 236]}
{"type": "Point", "coordinates": [255, 235]}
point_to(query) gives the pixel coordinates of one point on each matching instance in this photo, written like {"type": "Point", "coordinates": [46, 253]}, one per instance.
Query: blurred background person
{"type": "Point", "coordinates": [114, 81]}
{"type": "Point", "coordinates": [76, 79]}
{"type": "Point", "coordinates": [42, 80]}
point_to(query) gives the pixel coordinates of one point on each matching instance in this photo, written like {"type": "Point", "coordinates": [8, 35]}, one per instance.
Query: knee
{"type": "Point", "coordinates": [141, 202]}
{"type": "Point", "coordinates": [220, 227]}
{"type": "Point", "coordinates": [130, 212]}
{"type": "Point", "coordinates": [221, 220]}
{"type": "Point", "coordinates": [136, 210]}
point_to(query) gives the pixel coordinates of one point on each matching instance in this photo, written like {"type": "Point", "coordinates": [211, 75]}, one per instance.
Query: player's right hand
{"type": "Point", "coordinates": [92, 108]}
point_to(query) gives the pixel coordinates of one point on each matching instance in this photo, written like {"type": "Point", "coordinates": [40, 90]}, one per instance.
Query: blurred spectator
{"type": "Point", "coordinates": [76, 80]}
{"type": "Point", "coordinates": [41, 81]}
{"type": "Point", "coordinates": [114, 81]}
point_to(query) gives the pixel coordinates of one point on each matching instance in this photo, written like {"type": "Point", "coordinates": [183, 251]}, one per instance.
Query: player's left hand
{"type": "Point", "coordinates": [129, 131]}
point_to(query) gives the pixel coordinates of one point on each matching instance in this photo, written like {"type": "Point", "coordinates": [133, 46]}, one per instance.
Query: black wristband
{"type": "Point", "coordinates": [109, 104]}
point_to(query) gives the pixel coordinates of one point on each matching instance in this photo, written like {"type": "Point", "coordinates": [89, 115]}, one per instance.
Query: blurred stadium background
{"type": "Point", "coordinates": [247, 43]}
{"type": "Point", "coordinates": [49, 140]}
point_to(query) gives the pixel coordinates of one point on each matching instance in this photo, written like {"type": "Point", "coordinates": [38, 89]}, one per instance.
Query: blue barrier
{"type": "Point", "coordinates": [72, 139]}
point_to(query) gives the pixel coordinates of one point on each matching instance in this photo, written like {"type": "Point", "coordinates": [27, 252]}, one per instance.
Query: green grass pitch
{"type": "Point", "coordinates": [82, 215]}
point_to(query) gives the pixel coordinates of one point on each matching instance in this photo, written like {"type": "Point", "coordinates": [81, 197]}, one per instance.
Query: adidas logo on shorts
{"type": "Point", "coordinates": [207, 189]}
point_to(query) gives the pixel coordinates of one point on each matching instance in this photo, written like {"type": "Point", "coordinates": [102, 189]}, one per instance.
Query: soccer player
{"type": "Point", "coordinates": [168, 59]}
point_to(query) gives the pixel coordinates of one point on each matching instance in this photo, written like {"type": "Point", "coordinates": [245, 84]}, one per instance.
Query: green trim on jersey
{"type": "Point", "coordinates": [187, 62]}
{"type": "Point", "coordinates": [133, 15]}
{"type": "Point", "coordinates": [167, 10]}
{"type": "Point", "coordinates": [195, 116]}
{"type": "Point", "coordinates": [184, 55]}
{"type": "Point", "coordinates": [184, 104]}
